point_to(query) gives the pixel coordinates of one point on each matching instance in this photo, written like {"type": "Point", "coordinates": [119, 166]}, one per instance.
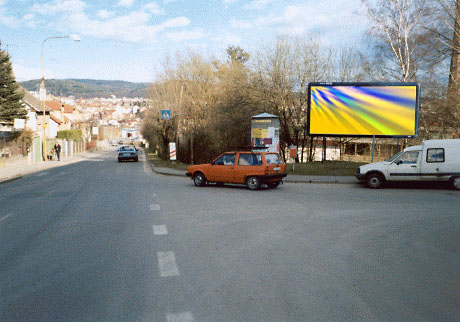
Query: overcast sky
{"type": "Point", "coordinates": [127, 39]}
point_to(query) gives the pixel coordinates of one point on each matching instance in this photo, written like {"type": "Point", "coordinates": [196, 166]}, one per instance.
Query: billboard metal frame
{"type": "Point", "coordinates": [365, 84]}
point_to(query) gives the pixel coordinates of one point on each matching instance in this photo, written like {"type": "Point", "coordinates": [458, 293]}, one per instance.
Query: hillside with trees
{"type": "Point", "coordinates": [89, 88]}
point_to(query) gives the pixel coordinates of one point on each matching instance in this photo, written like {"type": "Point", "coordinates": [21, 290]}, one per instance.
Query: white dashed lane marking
{"type": "Point", "coordinates": [160, 230]}
{"type": "Point", "coordinates": [167, 264]}
{"type": "Point", "coordinates": [5, 217]}
{"type": "Point", "coordinates": [168, 267]}
{"type": "Point", "coordinates": [154, 206]}
{"type": "Point", "coordinates": [179, 317]}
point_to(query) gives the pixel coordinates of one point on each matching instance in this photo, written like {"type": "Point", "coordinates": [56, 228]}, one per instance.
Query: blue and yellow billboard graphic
{"type": "Point", "coordinates": [364, 109]}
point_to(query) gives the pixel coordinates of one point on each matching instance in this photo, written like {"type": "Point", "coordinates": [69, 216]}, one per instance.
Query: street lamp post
{"type": "Point", "coordinates": [42, 88]}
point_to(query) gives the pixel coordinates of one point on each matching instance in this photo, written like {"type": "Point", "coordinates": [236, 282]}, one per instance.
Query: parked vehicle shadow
{"type": "Point", "coordinates": [413, 185]}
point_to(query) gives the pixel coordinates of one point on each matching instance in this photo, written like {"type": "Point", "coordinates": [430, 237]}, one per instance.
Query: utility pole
{"type": "Point", "coordinates": [42, 88]}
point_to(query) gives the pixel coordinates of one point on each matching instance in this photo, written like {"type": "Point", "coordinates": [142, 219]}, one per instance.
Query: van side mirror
{"type": "Point", "coordinates": [399, 162]}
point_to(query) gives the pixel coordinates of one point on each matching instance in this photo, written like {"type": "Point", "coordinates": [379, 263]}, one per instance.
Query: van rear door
{"type": "Point", "coordinates": [434, 163]}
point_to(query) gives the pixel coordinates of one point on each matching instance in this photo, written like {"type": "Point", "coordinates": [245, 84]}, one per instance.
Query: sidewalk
{"type": "Point", "coordinates": [15, 171]}
{"type": "Point", "coordinates": [289, 178]}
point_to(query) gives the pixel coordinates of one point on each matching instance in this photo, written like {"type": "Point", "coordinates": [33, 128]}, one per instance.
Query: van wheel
{"type": "Point", "coordinates": [455, 181]}
{"type": "Point", "coordinates": [253, 183]}
{"type": "Point", "coordinates": [374, 180]}
{"type": "Point", "coordinates": [199, 179]}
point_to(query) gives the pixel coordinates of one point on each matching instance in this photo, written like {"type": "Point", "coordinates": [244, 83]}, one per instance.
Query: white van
{"type": "Point", "coordinates": [434, 160]}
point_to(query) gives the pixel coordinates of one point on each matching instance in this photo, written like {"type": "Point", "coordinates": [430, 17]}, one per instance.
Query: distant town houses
{"type": "Point", "coordinates": [115, 118]}
{"type": "Point", "coordinates": [65, 113]}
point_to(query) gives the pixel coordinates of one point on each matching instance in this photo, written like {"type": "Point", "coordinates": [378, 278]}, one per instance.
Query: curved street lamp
{"type": "Point", "coordinates": [42, 88]}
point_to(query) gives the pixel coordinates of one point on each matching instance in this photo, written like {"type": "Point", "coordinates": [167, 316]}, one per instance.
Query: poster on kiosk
{"type": "Point", "coordinates": [265, 132]}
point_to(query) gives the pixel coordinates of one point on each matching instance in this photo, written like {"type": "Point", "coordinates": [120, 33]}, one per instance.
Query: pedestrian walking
{"type": "Point", "coordinates": [57, 149]}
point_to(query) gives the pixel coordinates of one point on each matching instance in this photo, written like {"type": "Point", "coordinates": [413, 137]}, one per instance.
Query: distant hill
{"type": "Point", "coordinates": [89, 88]}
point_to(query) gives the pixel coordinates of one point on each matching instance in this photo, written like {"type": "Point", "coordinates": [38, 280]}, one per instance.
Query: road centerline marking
{"type": "Point", "coordinates": [167, 264]}
{"type": "Point", "coordinates": [154, 206]}
{"type": "Point", "coordinates": [160, 230]}
{"type": "Point", "coordinates": [179, 317]}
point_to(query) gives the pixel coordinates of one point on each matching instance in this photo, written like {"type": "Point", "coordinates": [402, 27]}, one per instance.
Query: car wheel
{"type": "Point", "coordinates": [374, 180]}
{"type": "Point", "coordinates": [119, 160]}
{"type": "Point", "coordinates": [199, 179]}
{"type": "Point", "coordinates": [253, 183]}
{"type": "Point", "coordinates": [136, 159]}
{"type": "Point", "coordinates": [273, 185]}
{"type": "Point", "coordinates": [455, 182]}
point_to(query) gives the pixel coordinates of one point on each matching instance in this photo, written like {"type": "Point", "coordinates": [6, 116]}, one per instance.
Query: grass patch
{"type": "Point", "coordinates": [159, 163]}
{"type": "Point", "coordinates": [326, 168]}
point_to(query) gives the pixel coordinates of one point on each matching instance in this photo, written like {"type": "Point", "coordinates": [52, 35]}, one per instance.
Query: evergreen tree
{"type": "Point", "coordinates": [11, 94]}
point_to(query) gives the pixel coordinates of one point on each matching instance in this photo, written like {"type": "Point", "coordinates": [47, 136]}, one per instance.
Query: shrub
{"type": "Point", "coordinates": [74, 135]}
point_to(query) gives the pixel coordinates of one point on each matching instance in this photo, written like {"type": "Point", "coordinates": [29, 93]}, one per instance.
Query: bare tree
{"type": "Point", "coordinates": [398, 33]}
{"type": "Point", "coordinates": [441, 49]}
{"type": "Point", "coordinates": [282, 71]}
{"type": "Point", "coordinates": [446, 35]}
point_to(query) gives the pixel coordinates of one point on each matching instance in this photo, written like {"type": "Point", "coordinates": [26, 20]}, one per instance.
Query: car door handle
{"type": "Point", "coordinates": [413, 166]}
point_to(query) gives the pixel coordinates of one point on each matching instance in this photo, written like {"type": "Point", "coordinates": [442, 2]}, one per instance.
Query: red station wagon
{"type": "Point", "coordinates": [250, 168]}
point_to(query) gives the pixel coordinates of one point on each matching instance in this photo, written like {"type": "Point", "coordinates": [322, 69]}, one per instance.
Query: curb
{"type": "Point", "coordinates": [318, 181]}
{"type": "Point", "coordinates": [284, 180]}
{"type": "Point", "coordinates": [10, 179]}
{"type": "Point", "coordinates": [164, 173]}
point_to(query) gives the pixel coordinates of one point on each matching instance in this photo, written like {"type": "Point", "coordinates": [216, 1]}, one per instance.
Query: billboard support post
{"type": "Point", "coordinates": [324, 149]}
{"type": "Point", "coordinates": [373, 147]}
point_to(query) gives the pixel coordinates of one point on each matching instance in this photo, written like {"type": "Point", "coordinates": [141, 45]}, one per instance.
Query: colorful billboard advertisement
{"type": "Point", "coordinates": [363, 109]}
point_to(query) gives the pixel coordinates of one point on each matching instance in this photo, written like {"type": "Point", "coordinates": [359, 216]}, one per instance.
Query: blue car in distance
{"type": "Point", "coordinates": [127, 152]}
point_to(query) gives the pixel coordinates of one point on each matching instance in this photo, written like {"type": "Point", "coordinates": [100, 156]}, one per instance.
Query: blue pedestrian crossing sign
{"type": "Point", "coordinates": [165, 114]}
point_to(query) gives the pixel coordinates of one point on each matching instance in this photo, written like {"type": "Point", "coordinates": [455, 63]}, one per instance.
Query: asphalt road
{"type": "Point", "coordinates": [105, 241]}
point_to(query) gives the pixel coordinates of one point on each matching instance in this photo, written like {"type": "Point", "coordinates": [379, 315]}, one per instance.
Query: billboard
{"type": "Point", "coordinates": [363, 109]}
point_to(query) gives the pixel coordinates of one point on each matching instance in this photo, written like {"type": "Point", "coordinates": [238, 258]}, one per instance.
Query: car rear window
{"type": "Point", "coordinates": [250, 159]}
{"type": "Point", "coordinates": [273, 158]}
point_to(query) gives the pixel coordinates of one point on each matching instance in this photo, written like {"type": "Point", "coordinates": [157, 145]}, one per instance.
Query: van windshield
{"type": "Point", "coordinates": [394, 157]}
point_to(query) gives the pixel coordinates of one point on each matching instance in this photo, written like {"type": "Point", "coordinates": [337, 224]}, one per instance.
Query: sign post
{"type": "Point", "coordinates": [293, 155]}
{"type": "Point", "coordinates": [172, 151]}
